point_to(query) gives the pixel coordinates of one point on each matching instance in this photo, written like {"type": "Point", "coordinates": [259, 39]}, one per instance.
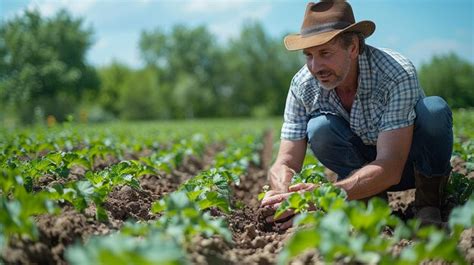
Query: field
{"type": "Point", "coordinates": [188, 193]}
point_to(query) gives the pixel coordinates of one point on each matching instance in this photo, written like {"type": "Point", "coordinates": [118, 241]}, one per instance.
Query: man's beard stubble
{"type": "Point", "coordinates": [338, 78]}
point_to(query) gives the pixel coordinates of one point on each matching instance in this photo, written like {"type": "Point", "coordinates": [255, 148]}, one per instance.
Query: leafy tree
{"type": "Point", "coordinates": [249, 77]}
{"type": "Point", "coordinates": [450, 77]}
{"type": "Point", "coordinates": [189, 61]}
{"type": "Point", "coordinates": [113, 78]}
{"type": "Point", "coordinates": [260, 71]}
{"type": "Point", "coordinates": [140, 98]}
{"type": "Point", "coordinates": [42, 64]}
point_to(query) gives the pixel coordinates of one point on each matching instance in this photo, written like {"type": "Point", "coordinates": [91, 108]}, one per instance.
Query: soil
{"type": "Point", "coordinates": [254, 241]}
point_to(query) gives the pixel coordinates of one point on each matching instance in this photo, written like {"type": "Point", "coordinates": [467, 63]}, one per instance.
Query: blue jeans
{"type": "Point", "coordinates": [339, 149]}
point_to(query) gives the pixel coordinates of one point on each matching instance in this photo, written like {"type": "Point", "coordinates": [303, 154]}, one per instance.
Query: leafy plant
{"type": "Point", "coordinates": [155, 248]}
{"type": "Point", "coordinates": [459, 188]}
{"type": "Point", "coordinates": [313, 173]}
{"type": "Point", "coordinates": [183, 218]}
{"type": "Point", "coordinates": [211, 188]}
{"type": "Point", "coordinates": [18, 205]}
{"type": "Point", "coordinates": [238, 155]}
{"type": "Point", "coordinates": [352, 231]}
{"type": "Point", "coordinates": [98, 185]}
{"type": "Point", "coordinates": [349, 231]}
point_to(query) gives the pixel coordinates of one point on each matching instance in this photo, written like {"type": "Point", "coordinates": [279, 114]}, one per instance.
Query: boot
{"type": "Point", "coordinates": [429, 196]}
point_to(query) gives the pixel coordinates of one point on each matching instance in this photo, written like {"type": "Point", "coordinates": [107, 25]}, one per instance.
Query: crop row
{"type": "Point", "coordinates": [25, 159]}
{"type": "Point", "coordinates": [183, 214]}
{"type": "Point", "coordinates": [354, 231]}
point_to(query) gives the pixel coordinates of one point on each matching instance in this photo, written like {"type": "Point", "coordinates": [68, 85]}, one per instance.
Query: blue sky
{"type": "Point", "coordinates": [416, 28]}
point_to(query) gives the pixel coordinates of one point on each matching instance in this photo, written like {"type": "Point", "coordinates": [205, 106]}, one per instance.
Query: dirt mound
{"type": "Point", "coordinates": [159, 185]}
{"type": "Point", "coordinates": [56, 232]}
{"type": "Point", "coordinates": [128, 203]}
{"type": "Point", "coordinates": [47, 181]}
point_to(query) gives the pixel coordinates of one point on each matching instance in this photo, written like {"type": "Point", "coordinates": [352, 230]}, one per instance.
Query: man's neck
{"type": "Point", "coordinates": [349, 86]}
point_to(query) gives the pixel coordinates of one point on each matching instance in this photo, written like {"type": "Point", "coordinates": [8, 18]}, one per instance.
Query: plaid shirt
{"type": "Point", "coordinates": [385, 100]}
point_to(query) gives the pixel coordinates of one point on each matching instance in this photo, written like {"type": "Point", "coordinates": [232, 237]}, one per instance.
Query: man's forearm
{"type": "Point", "coordinates": [370, 180]}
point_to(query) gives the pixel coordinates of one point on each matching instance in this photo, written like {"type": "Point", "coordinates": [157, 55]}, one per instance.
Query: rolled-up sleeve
{"type": "Point", "coordinates": [295, 117]}
{"type": "Point", "coordinates": [402, 98]}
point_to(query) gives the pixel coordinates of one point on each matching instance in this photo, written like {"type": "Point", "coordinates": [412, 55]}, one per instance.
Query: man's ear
{"type": "Point", "coordinates": [354, 47]}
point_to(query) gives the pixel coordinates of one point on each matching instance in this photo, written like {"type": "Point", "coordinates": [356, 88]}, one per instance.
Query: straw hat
{"type": "Point", "coordinates": [325, 20]}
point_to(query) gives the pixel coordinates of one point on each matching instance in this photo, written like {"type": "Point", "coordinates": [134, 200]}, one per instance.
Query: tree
{"type": "Point", "coordinates": [202, 79]}
{"type": "Point", "coordinates": [189, 62]}
{"type": "Point", "coordinates": [260, 71]}
{"type": "Point", "coordinates": [42, 64]}
{"type": "Point", "coordinates": [140, 97]}
{"type": "Point", "coordinates": [450, 77]}
{"type": "Point", "coordinates": [114, 79]}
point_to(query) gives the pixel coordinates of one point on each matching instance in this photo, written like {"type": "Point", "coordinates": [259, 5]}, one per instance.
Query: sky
{"type": "Point", "coordinates": [419, 29]}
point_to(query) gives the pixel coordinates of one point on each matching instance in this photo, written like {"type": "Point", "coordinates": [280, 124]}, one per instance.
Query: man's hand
{"type": "Point", "coordinates": [280, 177]}
{"type": "Point", "coordinates": [270, 204]}
{"type": "Point", "coordinates": [273, 200]}
{"type": "Point", "coordinates": [290, 159]}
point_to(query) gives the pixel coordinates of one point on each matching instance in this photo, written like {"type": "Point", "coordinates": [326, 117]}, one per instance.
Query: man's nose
{"type": "Point", "coordinates": [313, 65]}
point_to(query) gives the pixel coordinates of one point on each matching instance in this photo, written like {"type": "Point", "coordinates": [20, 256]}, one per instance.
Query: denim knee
{"type": "Point", "coordinates": [318, 129]}
{"type": "Point", "coordinates": [321, 135]}
{"type": "Point", "coordinates": [433, 137]}
{"type": "Point", "coordinates": [434, 116]}
{"type": "Point", "coordinates": [335, 145]}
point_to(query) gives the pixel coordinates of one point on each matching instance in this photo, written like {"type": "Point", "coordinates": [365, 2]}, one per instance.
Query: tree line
{"type": "Point", "coordinates": [187, 73]}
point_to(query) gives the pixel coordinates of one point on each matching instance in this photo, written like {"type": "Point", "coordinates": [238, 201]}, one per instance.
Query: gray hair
{"type": "Point", "coordinates": [346, 40]}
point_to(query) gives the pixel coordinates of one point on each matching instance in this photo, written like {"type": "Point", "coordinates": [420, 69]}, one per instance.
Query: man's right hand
{"type": "Point", "coordinates": [279, 177]}
{"type": "Point", "coordinates": [290, 158]}
{"type": "Point", "coordinates": [273, 199]}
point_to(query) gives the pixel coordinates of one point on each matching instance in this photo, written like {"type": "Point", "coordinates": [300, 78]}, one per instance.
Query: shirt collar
{"type": "Point", "coordinates": [364, 73]}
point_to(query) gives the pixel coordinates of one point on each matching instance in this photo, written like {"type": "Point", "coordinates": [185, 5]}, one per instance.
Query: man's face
{"type": "Point", "coordinates": [329, 63]}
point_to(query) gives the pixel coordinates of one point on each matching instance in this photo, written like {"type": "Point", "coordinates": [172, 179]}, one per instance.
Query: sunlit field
{"type": "Point", "coordinates": [177, 192]}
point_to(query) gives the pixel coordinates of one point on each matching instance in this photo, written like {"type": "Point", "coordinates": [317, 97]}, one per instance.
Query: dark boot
{"type": "Point", "coordinates": [429, 197]}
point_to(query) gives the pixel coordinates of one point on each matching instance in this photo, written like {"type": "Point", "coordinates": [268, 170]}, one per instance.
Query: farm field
{"type": "Point", "coordinates": [188, 193]}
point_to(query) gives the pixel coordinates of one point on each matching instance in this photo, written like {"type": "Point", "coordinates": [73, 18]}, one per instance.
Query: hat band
{"type": "Point", "coordinates": [308, 31]}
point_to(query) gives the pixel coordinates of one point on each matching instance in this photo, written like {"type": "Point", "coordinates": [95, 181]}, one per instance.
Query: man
{"type": "Point", "coordinates": [364, 115]}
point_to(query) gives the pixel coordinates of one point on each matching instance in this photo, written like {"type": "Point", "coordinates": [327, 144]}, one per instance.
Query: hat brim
{"type": "Point", "coordinates": [296, 42]}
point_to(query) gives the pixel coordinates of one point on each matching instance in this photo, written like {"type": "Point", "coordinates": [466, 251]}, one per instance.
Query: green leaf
{"type": "Point", "coordinates": [296, 201]}
{"type": "Point", "coordinates": [158, 207]}
{"type": "Point", "coordinates": [194, 195]}
{"type": "Point", "coordinates": [63, 171]}
{"type": "Point", "coordinates": [28, 183]}
{"type": "Point", "coordinates": [84, 188]}
{"type": "Point", "coordinates": [56, 158]}
{"type": "Point", "coordinates": [101, 214]}
{"type": "Point", "coordinates": [212, 199]}
{"type": "Point", "coordinates": [284, 206]}
{"type": "Point", "coordinates": [463, 216]}
{"type": "Point", "coordinates": [301, 241]}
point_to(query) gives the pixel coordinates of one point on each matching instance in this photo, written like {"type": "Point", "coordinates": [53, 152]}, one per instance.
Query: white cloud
{"type": "Point", "coordinates": [422, 51]}
{"type": "Point", "coordinates": [213, 6]}
{"type": "Point", "coordinates": [50, 7]}
{"type": "Point", "coordinates": [258, 13]}
{"type": "Point", "coordinates": [392, 40]}
{"type": "Point", "coordinates": [102, 43]}
{"type": "Point", "coordinates": [230, 28]}
{"type": "Point", "coordinates": [117, 46]}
